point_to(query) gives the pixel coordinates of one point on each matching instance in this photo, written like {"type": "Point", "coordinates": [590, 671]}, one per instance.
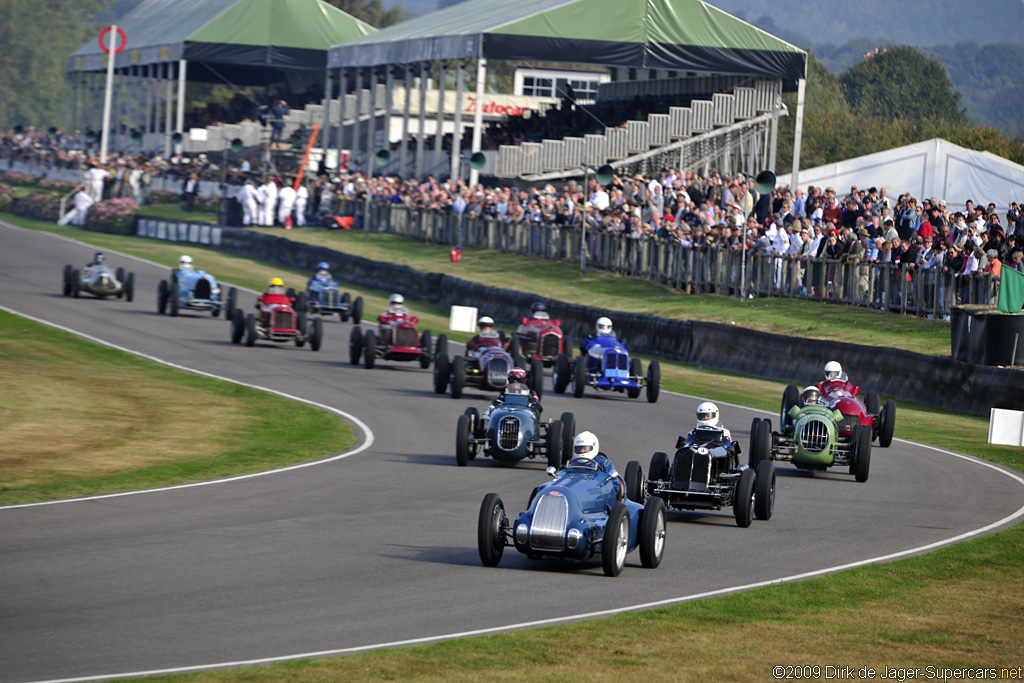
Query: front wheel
{"type": "Point", "coordinates": [369, 349]}
{"type": "Point", "coordinates": [561, 376]}
{"type": "Point", "coordinates": [653, 381]}
{"type": "Point", "coordinates": [161, 297]}
{"type": "Point", "coordinates": [355, 345]}
{"type": "Point", "coordinates": [129, 287]}
{"type": "Point", "coordinates": [790, 398]}
{"type": "Point", "coordinates": [652, 533]}
{"type": "Point", "coordinates": [490, 530]}
{"type": "Point", "coordinates": [441, 345]}
{"type": "Point", "coordinates": [515, 348]}
{"type": "Point", "coordinates": [442, 371]}
{"type": "Point", "coordinates": [743, 499]}
{"type": "Point", "coordinates": [458, 376]}
{"type": "Point", "coordinates": [760, 443]}
{"type": "Point", "coordinates": [173, 296]}
{"type": "Point", "coordinates": [659, 466]}
{"type": "Point", "coordinates": [344, 306]}
{"type": "Point", "coordinates": [863, 464]}
{"type": "Point", "coordinates": [316, 333]}
{"type": "Point", "coordinates": [579, 377]}
{"type": "Point", "coordinates": [66, 280]}
{"type": "Point", "coordinates": [250, 330]}
{"type": "Point", "coordinates": [300, 327]}
{"type": "Point", "coordinates": [634, 481]}
{"type": "Point", "coordinates": [76, 283]}
{"type": "Point", "coordinates": [636, 373]}
{"type": "Point", "coordinates": [229, 303]}
{"type": "Point", "coordinates": [425, 341]}
{"type": "Point", "coordinates": [357, 310]}
{"type": "Point", "coordinates": [888, 426]}
{"type": "Point", "coordinates": [237, 318]}
{"type": "Point", "coordinates": [568, 421]}
{"type": "Point", "coordinates": [764, 490]}
{"type": "Point", "coordinates": [616, 541]}
{"type": "Point", "coordinates": [537, 377]}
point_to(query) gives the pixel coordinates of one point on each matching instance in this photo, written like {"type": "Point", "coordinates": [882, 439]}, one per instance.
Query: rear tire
{"type": "Point", "coordinates": [863, 465]}
{"type": "Point", "coordinates": [462, 434]}
{"type": "Point", "coordinates": [659, 467]}
{"type": "Point", "coordinates": [872, 403]}
{"type": "Point", "coordinates": [568, 421]}
{"type": "Point", "coordinates": [344, 306]}
{"type": "Point", "coordinates": [652, 533]}
{"type": "Point", "coordinates": [653, 381]}
{"type": "Point", "coordinates": [760, 444]}
{"type": "Point", "coordinates": [490, 533]}
{"type": "Point", "coordinates": [743, 499]}
{"type": "Point", "coordinates": [229, 304]}
{"type": "Point", "coordinates": [66, 280]}
{"type": "Point", "coordinates": [237, 318]}
{"type": "Point", "coordinates": [301, 325]}
{"type": "Point", "coordinates": [536, 381]}
{"type": "Point", "coordinates": [458, 376]}
{"type": "Point", "coordinates": [616, 541]}
{"type": "Point", "coordinates": [355, 346]}
{"type": "Point", "coordinates": [579, 376]}
{"type": "Point", "coordinates": [888, 426]}
{"type": "Point", "coordinates": [441, 345]}
{"type": "Point", "coordinates": [554, 445]}
{"type": "Point", "coordinates": [764, 490]}
{"type": "Point", "coordinates": [369, 349]}
{"type": "Point", "coordinates": [301, 303]}
{"type": "Point", "coordinates": [561, 375]}
{"type": "Point", "coordinates": [514, 349]}
{"type": "Point", "coordinates": [76, 283]}
{"type": "Point", "coordinates": [790, 398]}
{"type": "Point", "coordinates": [129, 287]}
{"type": "Point", "coordinates": [173, 296]}
{"type": "Point", "coordinates": [634, 481]}
{"type": "Point", "coordinates": [442, 372]}
{"type": "Point", "coordinates": [161, 297]}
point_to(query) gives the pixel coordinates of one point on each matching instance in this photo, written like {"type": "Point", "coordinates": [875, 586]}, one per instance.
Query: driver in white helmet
{"type": "Point", "coordinates": [486, 337]}
{"type": "Point", "coordinates": [811, 396]}
{"type": "Point", "coordinates": [707, 419]}
{"type": "Point", "coordinates": [396, 305]}
{"type": "Point", "coordinates": [586, 447]}
{"type": "Point", "coordinates": [185, 262]}
{"type": "Point", "coordinates": [602, 328]}
{"type": "Point", "coordinates": [834, 372]}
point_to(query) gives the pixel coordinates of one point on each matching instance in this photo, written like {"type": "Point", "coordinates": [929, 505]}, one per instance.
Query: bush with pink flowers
{"type": "Point", "coordinates": [6, 195]}
{"type": "Point", "coordinates": [163, 197]}
{"type": "Point", "coordinates": [42, 205]}
{"type": "Point", "coordinates": [18, 179]}
{"type": "Point", "coordinates": [113, 216]}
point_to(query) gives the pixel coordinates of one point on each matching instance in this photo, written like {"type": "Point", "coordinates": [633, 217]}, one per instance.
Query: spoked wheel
{"type": "Point", "coordinates": [652, 533]}
{"type": "Point", "coordinates": [490, 534]}
{"type": "Point", "coordinates": [616, 541]}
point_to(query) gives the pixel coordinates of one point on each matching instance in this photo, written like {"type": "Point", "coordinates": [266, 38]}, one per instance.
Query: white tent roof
{"type": "Point", "coordinates": [933, 168]}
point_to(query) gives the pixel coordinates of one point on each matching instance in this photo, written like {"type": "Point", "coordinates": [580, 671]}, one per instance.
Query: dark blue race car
{"type": "Point", "coordinates": [605, 364]}
{"type": "Point", "coordinates": [574, 517]}
{"type": "Point", "coordinates": [324, 296]}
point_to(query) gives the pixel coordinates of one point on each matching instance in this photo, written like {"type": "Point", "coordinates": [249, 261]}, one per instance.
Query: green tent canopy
{"type": "Point", "coordinates": [681, 35]}
{"type": "Point", "coordinates": [239, 39]}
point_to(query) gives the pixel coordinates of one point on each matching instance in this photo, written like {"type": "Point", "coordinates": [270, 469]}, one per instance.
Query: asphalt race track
{"type": "Point", "coordinates": [380, 547]}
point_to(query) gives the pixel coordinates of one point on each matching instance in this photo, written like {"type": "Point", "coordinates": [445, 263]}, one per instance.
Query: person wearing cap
{"type": "Point", "coordinates": [1017, 261]}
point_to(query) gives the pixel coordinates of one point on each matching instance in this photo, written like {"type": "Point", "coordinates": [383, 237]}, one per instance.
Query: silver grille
{"type": "Point", "coordinates": [814, 436]}
{"type": "Point", "coordinates": [497, 371]}
{"type": "Point", "coordinates": [548, 532]}
{"type": "Point", "coordinates": [549, 345]}
{"type": "Point", "coordinates": [405, 336]}
{"type": "Point", "coordinates": [508, 433]}
{"type": "Point", "coordinates": [330, 298]}
{"type": "Point", "coordinates": [283, 320]}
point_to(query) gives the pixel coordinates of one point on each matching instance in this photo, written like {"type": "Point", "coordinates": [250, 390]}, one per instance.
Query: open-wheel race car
{"type": "Point", "coordinates": [813, 436]}
{"type": "Point", "coordinates": [605, 365]}
{"type": "Point", "coordinates": [485, 368]}
{"type": "Point", "coordinates": [397, 337]}
{"type": "Point", "coordinates": [195, 289]}
{"type": "Point", "coordinates": [276, 322]}
{"type": "Point", "coordinates": [575, 517]}
{"type": "Point", "coordinates": [511, 429]}
{"type": "Point", "coordinates": [538, 338]}
{"type": "Point", "coordinates": [839, 394]}
{"type": "Point", "coordinates": [324, 296]}
{"type": "Point", "coordinates": [99, 280]}
{"type": "Point", "coordinates": [705, 474]}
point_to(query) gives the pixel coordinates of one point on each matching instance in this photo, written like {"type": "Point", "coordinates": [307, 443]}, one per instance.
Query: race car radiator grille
{"type": "Point", "coordinates": [405, 336]}
{"type": "Point", "coordinates": [548, 532]}
{"type": "Point", "coordinates": [283, 320]}
{"type": "Point", "coordinates": [616, 361]}
{"type": "Point", "coordinates": [508, 433]}
{"type": "Point", "coordinates": [330, 298]}
{"type": "Point", "coordinates": [814, 436]}
{"type": "Point", "coordinates": [549, 344]}
{"type": "Point", "coordinates": [497, 371]}
{"type": "Point", "coordinates": [691, 470]}
{"type": "Point", "coordinates": [201, 290]}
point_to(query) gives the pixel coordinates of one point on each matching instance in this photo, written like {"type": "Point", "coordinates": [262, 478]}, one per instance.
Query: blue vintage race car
{"type": "Point", "coordinates": [323, 296]}
{"type": "Point", "coordinates": [575, 517]}
{"type": "Point", "coordinates": [195, 289]}
{"type": "Point", "coordinates": [605, 364]}
{"type": "Point", "coordinates": [511, 430]}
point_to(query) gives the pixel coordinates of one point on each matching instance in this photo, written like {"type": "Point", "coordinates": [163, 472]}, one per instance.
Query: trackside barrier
{"type": "Point", "coordinates": [934, 380]}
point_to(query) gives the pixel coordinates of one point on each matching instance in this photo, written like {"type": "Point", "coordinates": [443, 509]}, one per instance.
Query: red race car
{"type": "Point", "coordinates": [843, 396]}
{"type": "Point", "coordinates": [276, 321]}
{"type": "Point", "coordinates": [537, 337]}
{"type": "Point", "coordinates": [396, 338]}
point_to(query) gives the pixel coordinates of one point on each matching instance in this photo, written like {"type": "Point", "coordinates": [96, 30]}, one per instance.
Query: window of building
{"type": "Point", "coordinates": [538, 87]}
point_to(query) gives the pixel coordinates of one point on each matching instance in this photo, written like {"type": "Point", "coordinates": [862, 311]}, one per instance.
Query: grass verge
{"type": "Point", "coordinates": [120, 421]}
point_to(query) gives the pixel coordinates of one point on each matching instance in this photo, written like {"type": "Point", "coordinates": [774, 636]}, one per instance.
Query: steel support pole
{"type": "Point", "coordinates": [478, 116]}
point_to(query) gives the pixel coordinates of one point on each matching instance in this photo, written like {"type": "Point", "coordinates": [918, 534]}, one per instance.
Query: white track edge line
{"type": "Point", "coordinates": [368, 437]}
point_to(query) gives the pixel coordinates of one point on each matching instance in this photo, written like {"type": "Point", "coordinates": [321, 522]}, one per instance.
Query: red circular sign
{"type": "Point", "coordinates": [122, 40]}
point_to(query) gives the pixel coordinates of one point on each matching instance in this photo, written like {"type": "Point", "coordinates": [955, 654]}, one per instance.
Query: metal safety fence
{"type": "Point", "coordinates": [726, 271]}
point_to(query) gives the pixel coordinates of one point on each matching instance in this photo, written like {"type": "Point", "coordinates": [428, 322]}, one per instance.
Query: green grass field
{"type": "Point", "coordinates": [958, 606]}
